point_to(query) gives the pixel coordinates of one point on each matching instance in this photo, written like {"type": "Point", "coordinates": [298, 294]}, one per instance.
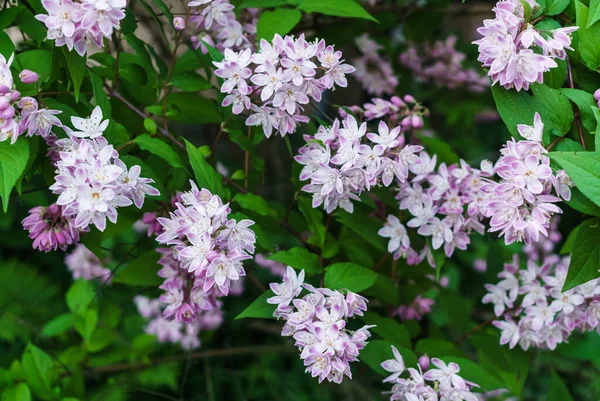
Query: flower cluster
{"type": "Point", "coordinates": [521, 203]}
{"type": "Point", "coordinates": [533, 310]}
{"type": "Point", "coordinates": [50, 229]}
{"type": "Point", "coordinates": [91, 180]}
{"type": "Point", "coordinates": [218, 25]}
{"type": "Point", "coordinates": [285, 74]}
{"type": "Point", "coordinates": [442, 206]}
{"type": "Point", "coordinates": [444, 384]}
{"type": "Point", "coordinates": [174, 331]}
{"type": "Point", "coordinates": [82, 263]}
{"type": "Point", "coordinates": [21, 114]}
{"type": "Point", "coordinates": [442, 65]}
{"type": "Point", "coordinates": [343, 160]}
{"type": "Point", "coordinates": [515, 52]}
{"type": "Point", "coordinates": [373, 71]}
{"type": "Point", "coordinates": [406, 111]}
{"type": "Point", "coordinates": [206, 254]}
{"type": "Point", "coordinates": [76, 24]}
{"type": "Point", "coordinates": [415, 310]}
{"type": "Point", "coordinates": [317, 322]}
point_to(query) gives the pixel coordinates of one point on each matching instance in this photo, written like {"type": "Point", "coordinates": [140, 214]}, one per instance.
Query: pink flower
{"type": "Point", "coordinates": [394, 366]}
{"type": "Point", "coordinates": [28, 77]}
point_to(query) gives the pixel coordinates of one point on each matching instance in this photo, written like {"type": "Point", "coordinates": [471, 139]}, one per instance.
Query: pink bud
{"type": "Point", "coordinates": [406, 122]}
{"type": "Point", "coordinates": [179, 23]}
{"type": "Point", "coordinates": [597, 96]}
{"type": "Point", "coordinates": [4, 89]}
{"type": "Point", "coordinates": [424, 362]}
{"type": "Point", "coordinates": [28, 77]}
{"type": "Point", "coordinates": [416, 121]}
{"type": "Point", "coordinates": [3, 103]}
{"type": "Point", "coordinates": [397, 101]}
{"type": "Point", "coordinates": [14, 96]}
{"type": "Point", "coordinates": [409, 99]}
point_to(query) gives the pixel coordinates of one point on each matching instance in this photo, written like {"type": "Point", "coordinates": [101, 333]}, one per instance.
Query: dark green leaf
{"type": "Point", "coordinates": [366, 227]}
{"type": "Point", "coordinates": [437, 348]}
{"type": "Point", "coordinates": [76, 66]}
{"type": "Point", "coordinates": [594, 13]}
{"type": "Point", "coordinates": [558, 390]}
{"type": "Point", "coordinates": [80, 295]}
{"type": "Point", "coordinates": [206, 176]}
{"type": "Point", "coordinates": [441, 149]}
{"type": "Point", "coordinates": [583, 100]}
{"type": "Point", "coordinates": [142, 271]}
{"type": "Point", "coordinates": [255, 203]}
{"type": "Point", "coordinates": [20, 392]}
{"type": "Point", "coordinates": [262, 3]}
{"type": "Point", "coordinates": [555, 7]}
{"type": "Point", "coordinates": [58, 325]}
{"type": "Point", "coordinates": [190, 81]}
{"type": "Point", "coordinates": [587, 36]}
{"type": "Point", "coordinates": [470, 371]}
{"type": "Point", "coordinates": [586, 255]}
{"type": "Point", "coordinates": [299, 259]}
{"type": "Point", "coordinates": [584, 170]}
{"type": "Point", "coordinates": [389, 329]}
{"type": "Point", "coordinates": [314, 219]}
{"type": "Point", "coordinates": [193, 108]}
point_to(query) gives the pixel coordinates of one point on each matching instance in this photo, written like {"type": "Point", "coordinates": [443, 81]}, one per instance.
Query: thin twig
{"type": "Point", "coordinates": [576, 114]}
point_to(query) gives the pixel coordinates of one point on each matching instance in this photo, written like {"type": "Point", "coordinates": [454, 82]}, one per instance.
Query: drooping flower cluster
{"type": "Point", "coordinates": [516, 53]}
{"type": "Point", "coordinates": [442, 207]}
{"type": "Point", "coordinates": [317, 322]}
{"type": "Point", "coordinates": [442, 65]}
{"type": "Point", "coordinates": [217, 24]}
{"type": "Point", "coordinates": [174, 331]}
{"type": "Point", "coordinates": [373, 71]}
{"type": "Point", "coordinates": [91, 181]}
{"type": "Point", "coordinates": [344, 159]}
{"type": "Point", "coordinates": [285, 74]}
{"type": "Point", "coordinates": [439, 382]}
{"type": "Point", "coordinates": [406, 111]}
{"type": "Point", "coordinates": [50, 229]}
{"type": "Point", "coordinates": [77, 24]}
{"type": "Point", "coordinates": [521, 203]}
{"type": "Point", "coordinates": [205, 256]}
{"type": "Point", "coordinates": [531, 307]}
{"type": "Point", "coordinates": [415, 310]}
{"type": "Point", "coordinates": [21, 114]}
{"type": "Point", "coordinates": [82, 263]}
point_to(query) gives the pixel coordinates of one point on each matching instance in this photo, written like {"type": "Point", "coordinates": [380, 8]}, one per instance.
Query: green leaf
{"type": "Point", "coordinates": [555, 78]}
{"type": "Point", "coordinates": [570, 241]}
{"type": "Point", "coordinates": [280, 20]}
{"type": "Point", "coordinates": [388, 329]}
{"type": "Point", "coordinates": [366, 227]}
{"type": "Point", "coordinates": [85, 323]}
{"type": "Point", "coordinates": [299, 259]}
{"type": "Point", "coordinates": [587, 36]}
{"type": "Point", "coordinates": [160, 149]}
{"type": "Point", "coordinates": [100, 97]}
{"type": "Point", "coordinates": [439, 258]}
{"type": "Point", "coordinates": [584, 170]}
{"type": "Point", "coordinates": [349, 276]}
{"type": "Point", "coordinates": [20, 392]}
{"type": "Point", "coordinates": [558, 390]}
{"type": "Point", "coordinates": [80, 295]}
{"type": "Point", "coordinates": [8, 16]}
{"type": "Point", "coordinates": [437, 348]}
{"type": "Point", "coordinates": [206, 176]}
{"type": "Point", "coordinates": [39, 61]}
{"type": "Point", "coordinates": [314, 219]}
{"type": "Point", "coordinates": [583, 204]}
{"type": "Point", "coordinates": [163, 375]}
{"type": "Point", "coordinates": [472, 372]}
{"type": "Point", "coordinates": [583, 100]}
{"type": "Point", "coordinates": [214, 53]}
{"type": "Point", "coordinates": [385, 290]}
{"type": "Point", "coordinates": [585, 259]}
{"type": "Point", "coordinates": [259, 308]}
{"type": "Point", "coordinates": [190, 81]}
{"type": "Point", "coordinates": [255, 203]}
{"type": "Point", "coordinates": [555, 7]}
{"type": "Point", "coordinates": [378, 351]}
{"type": "Point", "coordinates": [36, 368]}
{"type": "Point", "coordinates": [436, 146]}
{"type": "Point", "coordinates": [262, 3]}
{"type": "Point", "coordinates": [594, 13]}
{"type": "Point", "coordinates": [13, 161]}
{"type": "Point", "coordinates": [192, 108]}
{"type": "Point", "coordinates": [76, 67]}
{"type": "Point", "coordinates": [336, 8]}
{"type": "Point", "coordinates": [58, 325]}
{"type": "Point", "coordinates": [142, 271]}
{"type": "Point", "coordinates": [6, 45]}
{"type": "Point", "coordinates": [519, 108]}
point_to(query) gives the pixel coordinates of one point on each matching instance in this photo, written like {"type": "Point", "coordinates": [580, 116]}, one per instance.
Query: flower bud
{"type": "Point", "coordinates": [409, 99]}
{"type": "Point", "coordinates": [28, 77]}
{"type": "Point", "coordinates": [179, 23]}
{"type": "Point", "coordinates": [4, 102]}
{"type": "Point", "coordinates": [14, 96]}
{"type": "Point", "coordinates": [424, 362]}
{"type": "Point", "coordinates": [416, 121]}
{"type": "Point", "coordinates": [7, 113]}
{"type": "Point", "coordinates": [397, 101]}
{"type": "Point", "coordinates": [597, 96]}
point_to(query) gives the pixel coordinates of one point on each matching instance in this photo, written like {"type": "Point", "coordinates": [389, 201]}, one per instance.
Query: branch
{"type": "Point", "coordinates": [575, 108]}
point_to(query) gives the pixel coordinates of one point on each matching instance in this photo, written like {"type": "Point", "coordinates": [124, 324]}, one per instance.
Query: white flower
{"type": "Point", "coordinates": [91, 127]}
